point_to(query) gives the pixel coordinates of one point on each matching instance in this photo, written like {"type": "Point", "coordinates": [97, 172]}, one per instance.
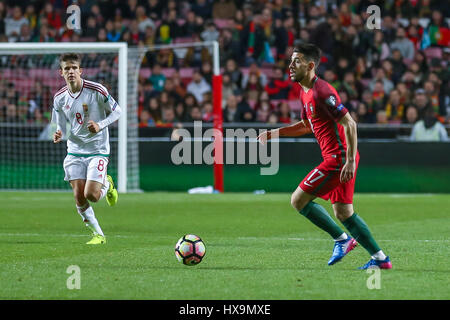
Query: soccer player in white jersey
{"type": "Point", "coordinates": [89, 109]}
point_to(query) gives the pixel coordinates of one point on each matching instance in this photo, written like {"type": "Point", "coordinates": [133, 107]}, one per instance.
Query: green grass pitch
{"type": "Point", "coordinates": [257, 247]}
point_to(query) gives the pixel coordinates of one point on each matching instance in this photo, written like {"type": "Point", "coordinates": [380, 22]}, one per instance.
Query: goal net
{"type": "Point", "coordinates": [29, 78]}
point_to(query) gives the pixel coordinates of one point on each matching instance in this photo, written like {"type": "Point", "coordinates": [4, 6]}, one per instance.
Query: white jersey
{"type": "Point", "coordinates": [92, 102]}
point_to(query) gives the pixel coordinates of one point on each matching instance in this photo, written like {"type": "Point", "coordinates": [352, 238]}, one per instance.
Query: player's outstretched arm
{"type": "Point", "coordinates": [57, 136]}
{"type": "Point", "coordinates": [294, 130]}
{"type": "Point", "coordinates": [348, 170]}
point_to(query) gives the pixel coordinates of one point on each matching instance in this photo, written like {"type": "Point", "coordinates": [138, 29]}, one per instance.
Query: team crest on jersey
{"type": "Point", "coordinates": [312, 110]}
{"type": "Point", "coordinates": [331, 101]}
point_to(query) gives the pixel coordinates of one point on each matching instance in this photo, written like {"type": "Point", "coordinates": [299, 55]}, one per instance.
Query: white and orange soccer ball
{"type": "Point", "coordinates": [190, 250]}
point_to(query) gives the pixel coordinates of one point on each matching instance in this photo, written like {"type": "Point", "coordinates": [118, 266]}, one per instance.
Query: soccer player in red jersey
{"type": "Point", "coordinates": [333, 179]}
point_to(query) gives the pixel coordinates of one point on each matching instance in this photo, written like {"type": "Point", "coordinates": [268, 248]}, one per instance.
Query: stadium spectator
{"type": "Point", "coordinates": [13, 24]}
{"type": "Point", "coordinates": [210, 33]}
{"type": "Point", "coordinates": [169, 28]}
{"type": "Point", "coordinates": [143, 20]}
{"type": "Point", "coordinates": [254, 69]}
{"type": "Point", "coordinates": [170, 89]}
{"type": "Point", "coordinates": [278, 87]}
{"type": "Point", "coordinates": [195, 114]}
{"type": "Point", "coordinates": [202, 8]}
{"type": "Point", "coordinates": [223, 9]}
{"type": "Point", "coordinates": [230, 110]}
{"type": "Point", "coordinates": [411, 115]}
{"type": "Point", "coordinates": [207, 111]}
{"type": "Point", "coordinates": [190, 101]}
{"type": "Point", "coordinates": [378, 96]}
{"type": "Point", "coordinates": [378, 51]}
{"type": "Point", "coordinates": [351, 86]}
{"type": "Point", "coordinates": [180, 112]}
{"type": "Point", "coordinates": [155, 9]}
{"type": "Point", "coordinates": [53, 16]}
{"type": "Point", "coordinates": [206, 71]}
{"type": "Point", "coordinates": [145, 119]}
{"type": "Point", "coordinates": [155, 110]}
{"type": "Point", "coordinates": [382, 117]}
{"type": "Point", "coordinates": [231, 67]}
{"type": "Point", "coordinates": [398, 67]}
{"type": "Point", "coordinates": [112, 32]}
{"type": "Point", "coordinates": [11, 113]}
{"type": "Point", "coordinates": [421, 102]}
{"type": "Point", "coordinates": [91, 29]}
{"type": "Point", "coordinates": [195, 56]}
{"type": "Point", "coordinates": [284, 114]}
{"type": "Point", "coordinates": [157, 78]}
{"type": "Point", "coordinates": [380, 76]}
{"type": "Point", "coordinates": [395, 110]}
{"type": "Point", "coordinates": [198, 86]}
{"type": "Point", "coordinates": [428, 128]}
{"type": "Point", "coordinates": [403, 44]}
{"type": "Point", "coordinates": [104, 74]}
{"type": "Point", "coordinates": [253, 88]}
{"type": "Point", "coordinates": [30, 14]}
{"type": "Point", "coordinates": [280, 38]}
{"type": "Point", "coordinates": [228, 87]}
{"type": "Point", "coordinates": [168, 115]}
{"type": "Point", "coordinates": [165, 100]}
{"type": "Point", "coordinates": [190, 27]}
{"type": "Point", "coordinates": [102, 35]}
{"type": "Point", "coordinates": [25, 33]}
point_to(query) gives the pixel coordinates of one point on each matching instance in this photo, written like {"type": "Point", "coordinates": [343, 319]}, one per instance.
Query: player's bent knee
{"type": "Point", "coordinates": [92, 196]}
{"type": "Point", "coordinates": [297, 203]}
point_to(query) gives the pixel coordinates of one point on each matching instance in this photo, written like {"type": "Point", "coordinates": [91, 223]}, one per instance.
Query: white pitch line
{"type": "Point", "coordinates": [320, 239]}
{"type": "Point", "coordinates": [239, 238]}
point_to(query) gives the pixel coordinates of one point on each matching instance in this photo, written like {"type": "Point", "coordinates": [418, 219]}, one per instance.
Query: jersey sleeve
{"type": "Point", "coordinates": [58, 116]}
{"type": "Point", "coordinates": [332, 102]}
{"type": "Point", "coordinates": [107, 103]}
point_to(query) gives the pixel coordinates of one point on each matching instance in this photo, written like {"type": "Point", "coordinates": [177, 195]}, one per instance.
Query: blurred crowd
{"type": "Point", "coordinates": [396, 74]}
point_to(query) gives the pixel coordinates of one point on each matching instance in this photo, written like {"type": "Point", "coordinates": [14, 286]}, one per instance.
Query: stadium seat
{"type": "Point", "coordinates": [433, 52]}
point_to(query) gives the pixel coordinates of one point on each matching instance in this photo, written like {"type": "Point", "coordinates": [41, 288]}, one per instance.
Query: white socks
{"type": "Point", "coordinates": [379, 255]}
{"type": "Point", "coordinates": [87, 214]}
{"type": "Point", "coordinates": [104, 189]}
{"type": "Point", "coordinates": [343, 236]}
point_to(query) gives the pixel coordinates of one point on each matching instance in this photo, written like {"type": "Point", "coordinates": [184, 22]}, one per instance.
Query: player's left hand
{"type": "Point", "coordinates": [93, 126]}
{"type": "Point", "coordinates": [348, 171]}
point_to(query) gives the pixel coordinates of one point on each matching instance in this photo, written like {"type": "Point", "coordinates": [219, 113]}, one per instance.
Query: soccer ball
{"type": "Point", "coordinates": [190, 250]}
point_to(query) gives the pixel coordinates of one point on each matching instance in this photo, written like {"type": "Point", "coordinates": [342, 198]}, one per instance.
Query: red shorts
{"type": "Point", "coordinates": [324, 182]}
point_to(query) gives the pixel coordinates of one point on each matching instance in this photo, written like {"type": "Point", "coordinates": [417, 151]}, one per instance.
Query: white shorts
{"type": "Point", "coordinates": [86, 168]}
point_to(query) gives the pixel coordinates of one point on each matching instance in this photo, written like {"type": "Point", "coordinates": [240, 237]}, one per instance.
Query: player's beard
{"type": "Point", "coordinates": [298, 77]}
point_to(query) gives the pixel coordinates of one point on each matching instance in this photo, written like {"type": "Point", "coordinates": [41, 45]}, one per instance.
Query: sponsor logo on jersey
{"type": "Point", "coordinates": [340, 107]}
{"type": "Point", "coordinates": [85, 108]}
{"type": "Point", "coordinates": [67, 107]}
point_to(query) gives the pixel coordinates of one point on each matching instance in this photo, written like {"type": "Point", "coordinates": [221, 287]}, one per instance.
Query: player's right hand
{"type": "Point", "coordinates": [263, 137]}
{"type": "Point", "coordinates": [57, 136]}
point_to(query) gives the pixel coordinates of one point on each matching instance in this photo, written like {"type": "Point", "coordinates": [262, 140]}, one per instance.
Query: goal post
{"type": "Point", "coordinates": [218, 172]}
{"type": "Point", "coordinates": [121, 49]}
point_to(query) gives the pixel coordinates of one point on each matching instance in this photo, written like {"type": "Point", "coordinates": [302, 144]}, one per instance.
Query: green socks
{"type": "Point", "coordinates": [360, 231]}
{"type": "Point", "coordinates": [320, 217]}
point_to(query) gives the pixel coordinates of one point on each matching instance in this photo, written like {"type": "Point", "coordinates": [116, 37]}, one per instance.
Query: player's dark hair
{"type": "Point", "coordinates": [310, 51]}
{"type": "Point", "coordinates": [70, 57]}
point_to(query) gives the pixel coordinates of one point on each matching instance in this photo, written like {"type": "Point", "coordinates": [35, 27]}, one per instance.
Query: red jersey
{"type": "Point", "coordinates": [322, 108]}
